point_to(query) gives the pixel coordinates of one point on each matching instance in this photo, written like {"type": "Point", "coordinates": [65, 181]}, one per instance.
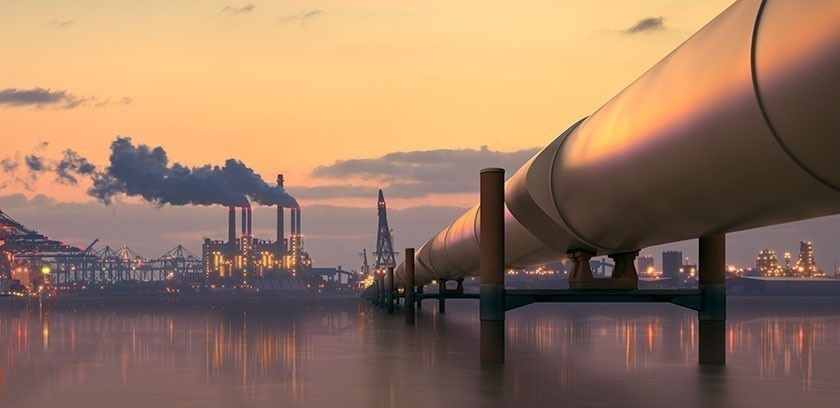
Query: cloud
{"type": "Point", "coordinates": [61, 24]}
{"type": "Point", "coordinates": [35, 163]}
{"type": "Point", "coordinates": [302, 17]}
{"type": "Point", "coordinates": [9, 164]}
{"type": "Point", "coordinates": [416, 173]}
{"type": "Point", "coordinates": [239, 9]}
{"type": "Point", "coordinates": [647, 24]}
{"type": "Point", "coordinates": [40, 98]}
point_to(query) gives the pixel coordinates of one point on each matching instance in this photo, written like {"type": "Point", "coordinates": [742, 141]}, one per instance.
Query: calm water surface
{"type": "Point", "coordinates": [344, 352]}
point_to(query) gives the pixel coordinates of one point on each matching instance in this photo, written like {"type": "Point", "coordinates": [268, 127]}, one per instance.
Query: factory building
{"type": "Point", "coordinates": [240, 260]}
{"type": "Point", "coordinates": [646, 265]}
{"type": "Point", "coordinates": [671, 263]}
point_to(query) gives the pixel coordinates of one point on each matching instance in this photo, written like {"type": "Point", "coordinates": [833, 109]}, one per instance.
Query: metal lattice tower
{"type": "Point", "coordinates": [384, 256]}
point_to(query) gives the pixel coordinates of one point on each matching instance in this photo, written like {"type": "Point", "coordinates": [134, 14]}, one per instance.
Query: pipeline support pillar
{"type": "Point", "coordinates": [492, 266]}
{"type": "Point", "coordinates": [409, 285]}
{"type": "Point", "coordinates": [712, 316]}
{"type": "Point", "coordinates": [420, 301]}
{"type": "Point", "coordinates": [389, 290]}
{"type": "Point", "coordinates": [442, 296]}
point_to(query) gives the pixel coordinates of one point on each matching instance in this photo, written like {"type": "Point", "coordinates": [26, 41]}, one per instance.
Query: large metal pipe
{"type": "Point", "coordinates": [737, 128]}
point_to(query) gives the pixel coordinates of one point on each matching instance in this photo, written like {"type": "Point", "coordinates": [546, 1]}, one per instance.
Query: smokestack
{"type": "Point", "coordinates": [231, 225]}
{"type": "Point", "coordinates": [244, 221]}
{"type": "Point", "coordinates": [297, 226]}
{"type": "Point", "coordinates": [249, 221]}
{"type": "Point", "coordinates": [280, 215]}
{"type": "Point", "coordinates": [280, 225]}
{"type": "Point", "coordinates": [295, 221]}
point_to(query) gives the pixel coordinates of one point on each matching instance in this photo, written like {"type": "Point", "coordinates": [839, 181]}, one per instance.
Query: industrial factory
{"type": "Point", "coordinates": [238, 262]}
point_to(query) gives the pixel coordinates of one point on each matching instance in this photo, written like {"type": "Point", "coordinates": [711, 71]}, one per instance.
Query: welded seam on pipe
{"type": "Point", "coordinates": [761, 107]}
{"type": "Point", "coordinates": [566, 225]}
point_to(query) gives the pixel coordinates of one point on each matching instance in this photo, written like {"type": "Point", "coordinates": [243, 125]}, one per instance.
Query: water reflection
{"type": "Point", "coordinates": [315, 353]}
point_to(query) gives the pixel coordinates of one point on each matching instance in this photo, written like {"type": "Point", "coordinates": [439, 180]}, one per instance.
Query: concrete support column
{"type": "Point", "coordinates": [409, 285]}
{"type": "Point", "coordinates": [712, 327]}
{"type": "Point", "coordinates": [375, 292]}
{"type": "Point", "coordinates": [442, 298]}
{"type": "Point", "coordinates": [419, 301]}
{"type": "Point", "coordinates": [389, 289]}
{"type": "Point", "coordinates": [581, 275]}
{"type": "Point", "coordinates": [380, 293]}
{"type": "Point", "coordinates": [492, 265]}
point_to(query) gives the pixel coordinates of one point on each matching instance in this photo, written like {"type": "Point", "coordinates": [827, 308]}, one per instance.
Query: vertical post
{"type": "Point", "coordinates": [375, 292]}
{"type": "Point", "coordinates": [382, 292]}
{"type": "Point", "coordinates": [379, 291]}
{"type": "Point", "coordinates": [712, 316]}
{"type": "Point", "coordinates": [492, 265]}
{"type": "Point", "coordinates": [389, 290]}
{"type": "Point", "coordinates": [441, 296]}
{"type": "Point", "coordinates": [420, 301]}
{"type": "Point", "coordinates": [409, 285]}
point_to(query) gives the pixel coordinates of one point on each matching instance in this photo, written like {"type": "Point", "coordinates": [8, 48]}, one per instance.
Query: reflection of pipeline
{"type": "Point", "coordinates": [737, 128]}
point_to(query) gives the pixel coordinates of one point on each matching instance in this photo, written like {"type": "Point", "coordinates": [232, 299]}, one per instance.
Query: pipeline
{"type": "Point", "coordinates": [737, 128]}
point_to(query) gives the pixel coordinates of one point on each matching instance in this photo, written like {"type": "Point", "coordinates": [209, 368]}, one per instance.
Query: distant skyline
{"type": "Point", "coordinates": [342, 98]}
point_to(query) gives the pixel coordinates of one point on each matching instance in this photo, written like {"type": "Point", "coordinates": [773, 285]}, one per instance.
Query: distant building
{"type": "Point", "coordinates": [645, 265]}
{"type": "Point", "coordinates": [806, 266]}
{"type": "Point", "coordinates": [671, 263]}
{"type": "Point", "coordinates": [768, 263]}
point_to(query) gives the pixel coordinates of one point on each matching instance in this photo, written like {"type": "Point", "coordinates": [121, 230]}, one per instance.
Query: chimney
{"type": "Point", "coordinates": [250, 232]}
{"type": "Point", "coordinates": [297, 227]}
{"type": "Point", "coordinates": [294, 221]}
{"type": "Point", "coordinates": [280, 218]}
{"type": "Point", "coordinates": [244, 221]}
{"type": "Point", "coordinates": [231, 225]}
{"type": "Point", "coordinates": [280, 226]}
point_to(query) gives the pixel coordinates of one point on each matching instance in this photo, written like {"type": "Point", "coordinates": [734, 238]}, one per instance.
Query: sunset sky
{"type": "Point", "coordinates": [300, 88]}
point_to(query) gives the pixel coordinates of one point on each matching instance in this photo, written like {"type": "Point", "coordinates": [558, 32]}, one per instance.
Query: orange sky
{"type": "Point", "coordinates": [290, 85]}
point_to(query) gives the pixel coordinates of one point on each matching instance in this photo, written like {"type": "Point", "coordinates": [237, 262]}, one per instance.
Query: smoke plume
{"type": "Point", "coordinates": [143, 171]}
{"type": "Point", "coordinates": [72, 165]}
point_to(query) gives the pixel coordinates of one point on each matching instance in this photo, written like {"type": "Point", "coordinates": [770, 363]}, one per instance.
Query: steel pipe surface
{"type": "Point", "coordinates": [697, 146]}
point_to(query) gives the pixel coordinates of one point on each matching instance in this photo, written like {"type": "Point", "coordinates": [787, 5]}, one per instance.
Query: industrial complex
{"type": "Point", "coordinates": [239, 261]}
{"type": "Point", "coordinates": [32, 263]}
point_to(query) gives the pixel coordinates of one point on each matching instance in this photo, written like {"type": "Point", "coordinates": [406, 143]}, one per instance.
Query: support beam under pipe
{"type": "Point", "coordinates": [712, 327]}
{"type": "Point", "coordinates": [389, 289]}
{"type": "Point", "coordinates": [409, 285]}
{"type": "Point", "coordinates": [492, 266]}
